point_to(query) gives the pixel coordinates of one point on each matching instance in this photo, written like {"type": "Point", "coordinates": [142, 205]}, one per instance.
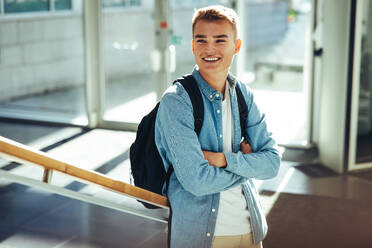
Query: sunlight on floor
{"type": "Point", "coordinates": [132, 111]}
{"type": "Point", "coordinates": [286, 115]}
{"type": "Point", "coordinates": [269, 201]}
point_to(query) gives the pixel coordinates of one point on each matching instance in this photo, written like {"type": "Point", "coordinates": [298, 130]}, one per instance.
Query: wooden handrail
{"type": "Point", "coordinates": [29, 154]}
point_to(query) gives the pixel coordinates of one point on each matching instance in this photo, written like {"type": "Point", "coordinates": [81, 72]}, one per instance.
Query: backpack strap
{"type": "Point", "coordinates": [243, 111]}
{"type": "Point", "coordinates": [191, 87]}
{"type": "Point", "coordinates": [188, 82]}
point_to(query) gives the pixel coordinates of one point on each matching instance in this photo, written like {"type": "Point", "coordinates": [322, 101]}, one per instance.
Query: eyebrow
{"type": "Point", "coordinates": [221, 36]}
{"type": "Point", "coordinates": [216, 37]}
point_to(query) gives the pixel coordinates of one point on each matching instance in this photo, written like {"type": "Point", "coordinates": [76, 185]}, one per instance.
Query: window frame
{"type": "Point", "coordinates": [51, 5]}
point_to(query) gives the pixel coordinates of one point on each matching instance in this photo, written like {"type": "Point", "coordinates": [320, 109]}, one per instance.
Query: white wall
{"type": "Point", "coordinates": [40, 53]}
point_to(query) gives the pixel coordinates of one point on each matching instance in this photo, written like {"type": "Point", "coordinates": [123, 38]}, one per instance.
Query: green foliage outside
{"type": "Point", "coordinates": [292, 15]}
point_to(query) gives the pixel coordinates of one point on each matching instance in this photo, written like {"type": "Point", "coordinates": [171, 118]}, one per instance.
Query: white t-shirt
{"type": "Point", "coordinates": [233, 215]}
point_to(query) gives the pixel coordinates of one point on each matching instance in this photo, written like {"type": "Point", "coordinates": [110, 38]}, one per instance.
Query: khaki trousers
{"type": "Point", "coordinates": [239, 241]}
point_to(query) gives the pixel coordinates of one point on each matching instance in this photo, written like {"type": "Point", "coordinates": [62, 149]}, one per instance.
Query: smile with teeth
{"type": "Point", "coordinates": [211, 59]}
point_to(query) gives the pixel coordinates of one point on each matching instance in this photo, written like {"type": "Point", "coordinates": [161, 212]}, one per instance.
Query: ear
{"type": "Point", "coordinates": [238, 44]}
{"type": "Point", "coordinates": [192, 45]}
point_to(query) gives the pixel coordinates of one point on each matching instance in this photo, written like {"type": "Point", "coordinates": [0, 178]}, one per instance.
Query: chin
{"type": "Point", "coordinates": [208, 70]}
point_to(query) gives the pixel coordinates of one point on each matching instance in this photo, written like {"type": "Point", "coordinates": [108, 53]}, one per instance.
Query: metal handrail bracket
{"type": "Point", "coordinates": [149, 214]}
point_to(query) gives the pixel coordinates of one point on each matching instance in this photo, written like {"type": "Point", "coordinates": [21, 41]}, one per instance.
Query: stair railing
{"type": "Point", "coordinates": [14, 151]}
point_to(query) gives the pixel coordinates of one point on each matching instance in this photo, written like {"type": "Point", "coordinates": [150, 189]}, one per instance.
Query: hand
{"type": "Point", "coordinates": [245, 147]}
{"type": "Point", "coordinates": [216, 159]}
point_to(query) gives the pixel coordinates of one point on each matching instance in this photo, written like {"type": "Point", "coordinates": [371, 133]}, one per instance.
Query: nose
{"type": "Point", "coordinates": [210, 48]}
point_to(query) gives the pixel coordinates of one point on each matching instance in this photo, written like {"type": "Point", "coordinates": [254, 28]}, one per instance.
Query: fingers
{"type": "Point", "coordinates": [245, 147]}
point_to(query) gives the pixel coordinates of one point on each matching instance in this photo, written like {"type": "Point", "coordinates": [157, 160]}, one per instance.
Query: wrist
{"type": "Point", "coordinates": [223, 160]}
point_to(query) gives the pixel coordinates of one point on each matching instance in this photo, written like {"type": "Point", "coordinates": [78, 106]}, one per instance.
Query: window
{"type": "Point", "coordinates": [15, 6]}
{"type": "Point", "coordinates": [113, 3]}
{"type": "Point", "coordinates": [121, 3]}
{"type": "Point", "coordinates": [23, 6]}
{"type": "Point", "coordinates": [62, 4]}
{"type": "Point", "coordinates": [196, 3]}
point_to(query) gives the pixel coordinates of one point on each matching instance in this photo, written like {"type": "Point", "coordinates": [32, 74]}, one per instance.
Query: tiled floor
{"type": "Point", "coordinates": [309, 206]}
{"type": "Point", "coordinates": [30, 217]}
{"type": "Point", "coordinates": [306, 204]}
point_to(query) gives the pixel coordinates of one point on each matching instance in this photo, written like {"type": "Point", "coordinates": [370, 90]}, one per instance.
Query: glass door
{"type": "Point", "coordinates": [137, 60]}
{"type": "Point", "coordinates": [277, 65]}
{"type": "Point", "coordinates": [128, 42]}
{"type": "Point", "coordinates": [42, 61]}
{"type": "Point", "coordinates": [360, 147]}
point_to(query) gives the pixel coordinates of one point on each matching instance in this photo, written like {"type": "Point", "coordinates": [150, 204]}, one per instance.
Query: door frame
{"type": "Point", "coordinates": [352, 165]}
{"type": "Point", "coordinates": [308, 73]}
{"type": "Point", "coordinates": [94, 61]}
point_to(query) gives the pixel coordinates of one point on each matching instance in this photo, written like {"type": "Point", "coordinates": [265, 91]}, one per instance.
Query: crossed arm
{"type": "Point", "coordinates": [218, 159]}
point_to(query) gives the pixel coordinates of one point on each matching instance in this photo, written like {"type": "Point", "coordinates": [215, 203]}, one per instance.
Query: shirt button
{"type": "Point", "coordinates": [217, 95]}
{"type": "Point", "coordinates": [211, 96]}
{"type": "Point", "coordinates": [218, 111]}
{"type": "Point", "coordinates": [208, 234]}
{"type": "Point", "coordinates": [220, 135]}
{"type": "Point", "coordinates": [213, 210]}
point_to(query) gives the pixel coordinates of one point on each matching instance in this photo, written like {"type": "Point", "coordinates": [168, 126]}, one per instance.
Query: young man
{"type": "Point", "coordinates": [213, 199]}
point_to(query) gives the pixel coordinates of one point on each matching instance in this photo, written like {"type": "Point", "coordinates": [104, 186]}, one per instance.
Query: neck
{"type": "Point", "coordinates": [216, 80]}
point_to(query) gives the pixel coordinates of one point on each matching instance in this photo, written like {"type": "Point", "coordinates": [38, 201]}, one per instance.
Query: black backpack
{"type": "Point", "coordinates": [147, 167]}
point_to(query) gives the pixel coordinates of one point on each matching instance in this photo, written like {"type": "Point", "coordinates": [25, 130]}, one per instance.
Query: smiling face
{"type": "Point", "coordinates": [214, 45]}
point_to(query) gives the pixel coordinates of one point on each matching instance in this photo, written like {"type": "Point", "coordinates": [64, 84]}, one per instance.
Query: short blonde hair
{"type": "Point", "coordinates": [215, 13]}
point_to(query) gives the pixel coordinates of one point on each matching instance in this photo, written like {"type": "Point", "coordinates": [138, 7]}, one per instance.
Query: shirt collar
{"type": "Point", "coordinates": [206, 89]}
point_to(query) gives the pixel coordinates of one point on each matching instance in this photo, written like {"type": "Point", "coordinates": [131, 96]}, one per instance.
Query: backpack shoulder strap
{"type": "Point", "coordinates": [243, 111]}
{"type": "Point", "coordinates": [188, 82]}
{"type": "Point", "coordinates": [191, 87]}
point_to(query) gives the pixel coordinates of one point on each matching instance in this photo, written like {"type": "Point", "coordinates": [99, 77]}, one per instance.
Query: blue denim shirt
{"type": "Point", "coordinates": [195, 186]}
